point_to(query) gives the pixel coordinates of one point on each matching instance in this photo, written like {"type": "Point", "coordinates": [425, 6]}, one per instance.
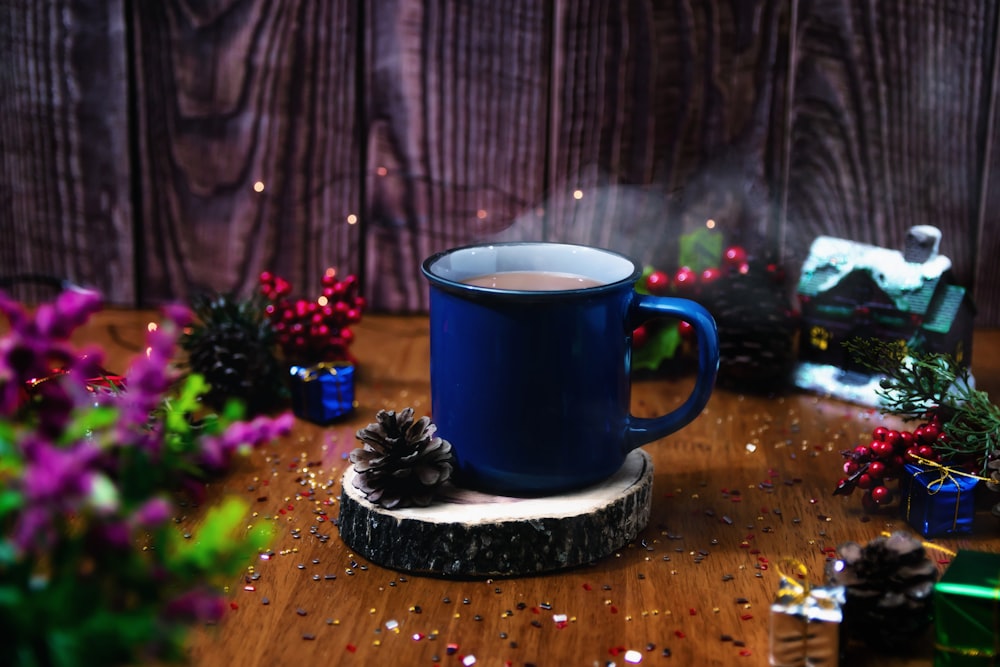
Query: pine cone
{"type": "Point", "coordinates": [402, 462]}
{"type": "Point", "coordinates": [232, 346]}
{"type": "Point", "coordinates": [888, 585]}
{"type": "Point", "coordinates": [757, 328]}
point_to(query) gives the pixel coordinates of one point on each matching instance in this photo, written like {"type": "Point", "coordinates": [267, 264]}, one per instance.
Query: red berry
{"type": "Point", "coordinates": [735, 256]}
{"type": "Point", "coordinates": [658, 283]}
{"type": "Point", "coordinates": [685, 329]}
{"type": "Point", "coordinates": [906, 441]}
{"type": "Point", "coordinates": [879, 433]}
{"type": "Point", "coordinates": [640, 336]}
{"type": "Point", "coordinates": [894, 438]}
{"type": "Point", "coordinates": [880, 450]}
{"type": "Point", "coordinates": [862, 454]}
{"type": "Point", "coordinates": [865, 481]}
{"type": "Point", "coordinates": [710, 275]}
{"type": "Point", "coordinates": [927, 433]}
{"type": "Point", "coordinates": [881, 495]}
{"type": "Point", "coordinates": [851, 467]}
{"type": "Point", "coordinates": [876, 469]}
{"type": "Point", "coordinates": [926, 452]}
{"type": "Point", "coordinates": [684, 279]}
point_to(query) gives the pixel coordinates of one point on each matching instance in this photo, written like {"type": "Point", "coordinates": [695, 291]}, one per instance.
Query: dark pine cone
{"type": "Point", "coordinates": [402, 462]}
{"type": "Point", "coordinates": [757, 328]}
{"type": "Point", "coordinates": [232, 346]}
{"type": "Point", "coordinates": [888, 585]}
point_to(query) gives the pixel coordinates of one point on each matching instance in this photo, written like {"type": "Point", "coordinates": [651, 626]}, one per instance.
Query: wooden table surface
{"type": "Point", "coordinates": [745, 485]}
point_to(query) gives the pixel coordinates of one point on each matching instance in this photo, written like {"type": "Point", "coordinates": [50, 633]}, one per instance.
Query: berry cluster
{"type": "Point", "coordinates": [869, 467]}
{"type": "Point", "coordinates": [690, 284]}
{"type": "Point", "coordinates": [686, 281]}
{"type": "Point", "coordinates": [313, 331]}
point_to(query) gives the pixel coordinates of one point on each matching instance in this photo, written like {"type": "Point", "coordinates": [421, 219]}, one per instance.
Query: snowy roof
{"type": "Point", "coordinates": [832, 259]}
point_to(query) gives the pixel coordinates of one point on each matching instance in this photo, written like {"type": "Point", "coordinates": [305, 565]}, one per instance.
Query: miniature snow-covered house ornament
{"type": "Point", "coordinates": [854, 290]}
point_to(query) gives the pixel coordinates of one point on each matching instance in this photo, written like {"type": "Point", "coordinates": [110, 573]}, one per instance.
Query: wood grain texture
{"type": "Point", "coordinates": [891, 104]}
{"type": "Point", "coordinates": [745, 485]}
{"type": "Point", "coordinates": [133, 134]}
{"type": "Point", "coordinates": [467, 534]}
{"type": "Point", "coordinates": [249, 151]}
{"type": "Point", "coordinates": [65, 200]}
{"type": "Point", "coordinates": [456, 111]}
{"type": "Point", "coordinates": [986, 271]}
{"type": "Point", "coordinates": [663, 121]}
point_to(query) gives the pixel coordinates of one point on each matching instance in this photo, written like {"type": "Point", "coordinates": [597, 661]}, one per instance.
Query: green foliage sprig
{"type": "Point", "coordinates": [92, 569]}
{"type": "Point", "coordinates": [917, 385]}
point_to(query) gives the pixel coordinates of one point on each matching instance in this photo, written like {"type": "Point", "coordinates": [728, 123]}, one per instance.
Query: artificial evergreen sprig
{"type": "Point", "coordinates": [915, 386]}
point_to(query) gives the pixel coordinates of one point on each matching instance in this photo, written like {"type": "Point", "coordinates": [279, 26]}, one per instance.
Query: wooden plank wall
{"type": "Point", "coordinates": [153, 149]}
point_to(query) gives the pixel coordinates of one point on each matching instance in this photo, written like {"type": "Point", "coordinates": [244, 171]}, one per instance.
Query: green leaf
{"type": "Point", "coordinates": [11, 597]}
{"type": "Point", "coordinates": [661, 344]}
{"type": "Point", "coordinates": [10, 500]}
{"type": "Point", "coordinates": [234, 410]}
{"type": "Point", "coordinates": [700, 250]}
{"type": "Point", "coordinates": [93, 420]}
{"type": "Point", "coordinates": [217, 546]}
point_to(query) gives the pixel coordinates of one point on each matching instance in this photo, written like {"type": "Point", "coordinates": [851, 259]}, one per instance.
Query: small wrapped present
{"type": "Point", "coordinates": [967, 611]}
{"type": "Point", "coordinates": [805, 625]}
{"type": "Point", "coordinates": [322, 393]}
{"type": "Point", "coordinates": [937, 500]}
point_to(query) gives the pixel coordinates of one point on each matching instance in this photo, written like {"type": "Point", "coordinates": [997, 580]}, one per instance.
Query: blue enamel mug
{"type": "Point", "coordinates": [530, 363]}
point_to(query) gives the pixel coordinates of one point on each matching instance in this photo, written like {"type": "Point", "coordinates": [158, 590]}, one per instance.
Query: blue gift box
{"type": "Point", "coordinates": [322, 393]}
{"type": "Point", "coordinates": [936, 500]}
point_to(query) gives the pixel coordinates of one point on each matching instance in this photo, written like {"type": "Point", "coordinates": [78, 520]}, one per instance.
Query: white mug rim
{"type": "Point", "coordinates": [618, 269]}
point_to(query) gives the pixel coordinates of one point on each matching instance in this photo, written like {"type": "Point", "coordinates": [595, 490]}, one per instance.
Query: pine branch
{"type": "Point", "coordinates": [915, 386]}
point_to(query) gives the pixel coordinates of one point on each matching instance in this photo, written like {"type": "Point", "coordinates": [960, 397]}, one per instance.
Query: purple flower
{"type": "Point", "coordinates": [57, 473]}
{"type": "Point", "coordinates": [114, 534]}
{"type": "Point", "coordinates": [70, 310]}
{"type": "Point", "coordinates": [197, 605]}
{"type": "Point", "coordinates": [55, 481]}
{"type": "Point", "coordinates": [217, 451]}
{"type": "Point", "coordinates": [179, 314]}
{"type": "Point", "coordinates": [153, 513]}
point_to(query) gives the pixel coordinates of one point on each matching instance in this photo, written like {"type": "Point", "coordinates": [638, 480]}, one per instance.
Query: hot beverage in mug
{"type": "Point", "coordinates": [532, 281]}
{"type": "Point", "coordinates": [530, 363]}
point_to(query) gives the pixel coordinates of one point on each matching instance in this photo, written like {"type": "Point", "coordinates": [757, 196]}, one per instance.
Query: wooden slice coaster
{"type": "Point", "coordinates": [469, 534]}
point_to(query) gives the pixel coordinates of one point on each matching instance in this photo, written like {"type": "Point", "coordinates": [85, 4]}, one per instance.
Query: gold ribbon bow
{"type": "Point", "coordinates": [312, 373]}
{"type": "Point", "coordinates": [947, 475]}
{"type": "Point", "coordinates": [794, 588]}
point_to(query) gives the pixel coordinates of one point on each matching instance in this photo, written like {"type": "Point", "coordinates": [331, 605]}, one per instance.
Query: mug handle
{"type": "Point", "coordinates": [643, 430]}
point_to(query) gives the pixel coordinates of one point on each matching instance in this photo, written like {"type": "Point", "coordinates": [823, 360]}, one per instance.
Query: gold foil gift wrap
{"type": "Point", "coordinates": [805, 625]}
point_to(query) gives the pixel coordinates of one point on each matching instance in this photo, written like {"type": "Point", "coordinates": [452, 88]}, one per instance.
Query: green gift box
{"type": "Point", "coordinates": [967, 611]}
